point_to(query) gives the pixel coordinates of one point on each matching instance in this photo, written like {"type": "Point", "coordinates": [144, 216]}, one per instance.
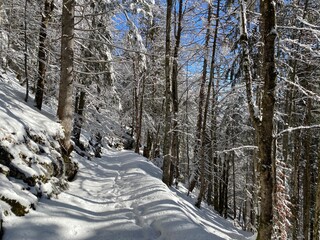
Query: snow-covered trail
{"type": "Point", "coordinates": [119, 197]}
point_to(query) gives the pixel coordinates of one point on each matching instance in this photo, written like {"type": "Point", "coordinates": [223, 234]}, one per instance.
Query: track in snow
{"type": "Point", "coordinates": [119, 197]}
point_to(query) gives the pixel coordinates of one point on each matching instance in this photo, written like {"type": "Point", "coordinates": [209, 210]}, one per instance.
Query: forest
{"type": "Point", "coordinates": [222, 95]}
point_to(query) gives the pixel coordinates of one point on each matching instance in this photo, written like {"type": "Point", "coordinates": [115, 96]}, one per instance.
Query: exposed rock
{"type": "Point", "coordinates": [17, 208]}
{"type": "Point", "coordinates": [4, 170]}
{"type": "Point", "coordinates": [128, 142]}
{"type": "Point", "coordinates": [71, 168]}
{"type": "Point", "coordinates": [5, 156]}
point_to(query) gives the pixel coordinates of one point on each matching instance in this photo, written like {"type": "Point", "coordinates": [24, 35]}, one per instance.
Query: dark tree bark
{"type": "Point", "coordinates": [263, 124]}
{"type": "Point", "coordinates": [42, 53]}
{"type": "Point", "coordinates": [307, 174]}
{"type": "Point", "coordinates": [316, 229]}
{"type": "Point", "coordinates": [265, 130]}
{"type": "Point", "coordinates": [26, 51]}
{"type": "Point", "coordinates": [234, 186]}
{"type": "Point", "coordinates": [295, 182]}
{"type": "Point", "coordinates": [140, 113]}
{"type": "Point", "coordinates": [78, 121]}
{"type": "Point", "coordinates": [167, 128]}
{"type": "Point", "coordinates": [175, 101]}
{"type": "Point", "coordinates": [147, 148]}
{"type": "Point", "coordinates": [223, 202]}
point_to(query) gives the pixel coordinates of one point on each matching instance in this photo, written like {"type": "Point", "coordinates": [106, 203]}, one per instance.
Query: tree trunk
{"type": "Point", "coordinates": [297, 152]}
{"type": "Point", "coordinates": [316, 228]}
{"type": "Point", "coordinates": [42, 54]}
{"type": "Point", "coordinates": [204, 135]}
{"type": "Point", "coordinates": [263, 124]}
{"type": "Point", "coordinates": [133, 120]}
{"type": "Point", "coordinates": [234, 186]}
{"type": "Point", "coordinates": [225, 186]}
{"type": "Point", "coordinates": [213, 173]}
{"type": "Point", "coordinates": [147, 148]}
{"type": "Point", "coordinates": [140, 113]}
{"type": "Point", "coordinates": [295, 182]}
{"type": "Point", "coordinates": [307, 174]}
{"type": "Point", "coordinates": [175, 100]}
{"type": "Point", "coordinates": [255, 213]}
{"type": "Point", "coordinates": [1, 12]}
{"type": "Point", "coordinates": [140, 79]}
{"type": "Point", "coordinates": [78, 121]}
{"type": "Point", "coordinates": [210, 176]}
{"type": "Point", "coordinates": [266, 130]}
{"type": "Point", "coordinates": [155, 152]}
{"type": "Point", "coordinates": [201, 100]}
{"type": "Point", "coordinates": [187, 126]}
{"type": "Point", "coordinates": [247, 206]}
{"type": "Point", "coordinates": [167, 136]}
{"type": "Point", "coordinates": [26, 51]}
{"type": "Point", "coordinates": [66, 81]}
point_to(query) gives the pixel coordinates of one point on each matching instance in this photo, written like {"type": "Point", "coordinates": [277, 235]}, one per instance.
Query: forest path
{"type": "Point", "coordinates": [120, 197]}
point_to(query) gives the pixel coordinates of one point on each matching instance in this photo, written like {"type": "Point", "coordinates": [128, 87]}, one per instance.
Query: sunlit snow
{"type": "Point", "coordinates": [120, 196]}
{"type": "Point", "coordinates": [117, 197]}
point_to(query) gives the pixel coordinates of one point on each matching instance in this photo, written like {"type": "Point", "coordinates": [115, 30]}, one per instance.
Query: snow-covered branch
{"type": "Point", "coordinates": [295, 129]}
{"type": "Point", "coordinates": [248, 147]}
{"type": "Point", "coordinates": [305, 91]}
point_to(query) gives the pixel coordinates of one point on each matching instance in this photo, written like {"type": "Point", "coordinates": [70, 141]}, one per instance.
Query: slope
{"type": "Point", "coordinates": [30, 162]}
{"type": "Point", "coordinates": [119, 196]}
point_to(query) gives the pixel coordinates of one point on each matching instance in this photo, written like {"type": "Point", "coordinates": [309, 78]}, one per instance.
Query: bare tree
{"type": "Point", "coordinates": [26, 51]}
{"type": "Point", "coordinates": [263, 122]}
{"type": "Point", "coordinates": [196, 171]}
{"type": "Point", "coordinates": [175, 100]}
{"type": "Point", "coordinates": [42, 54]}
{"type": "Point", "coordinates": [167, 128]}
{"type": "Point", "coordinates": [204, 133]}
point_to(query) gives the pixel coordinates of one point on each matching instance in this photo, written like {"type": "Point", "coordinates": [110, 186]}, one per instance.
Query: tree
{"type": "Point", "coordinates": [1, 22]}
{"type": "Point", "coordinates": [65, 110]}
{"type": "Point", "coordinates": [175, 99]}
{"type": "Point", "coordinates": [204, 135]}
{"type": "Point", "coordinates": [167, 135]}
{"type": "Point", "coordinates": [26, 51]}
{"type": "Point", "coordinates": [94, 72]}
{"type": "Point", "coordinates": [42, 54]}
{"type": "Point", "coordinates": [201, 102]}
{"type": "Point", "coordinates": [263, 122]}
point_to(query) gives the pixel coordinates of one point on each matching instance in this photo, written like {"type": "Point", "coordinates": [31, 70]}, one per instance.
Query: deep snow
{"type": "Point", "coordinates": [120, 196]}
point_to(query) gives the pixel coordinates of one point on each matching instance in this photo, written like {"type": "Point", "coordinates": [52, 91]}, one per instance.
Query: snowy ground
{"type": "Point", "coordinates": [119, 196]}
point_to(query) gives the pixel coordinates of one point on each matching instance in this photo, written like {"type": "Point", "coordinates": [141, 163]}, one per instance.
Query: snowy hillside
{"type": "Point", "coordinates": [118, 196]}
{"type": "Point", "coordinates": [29, 151]}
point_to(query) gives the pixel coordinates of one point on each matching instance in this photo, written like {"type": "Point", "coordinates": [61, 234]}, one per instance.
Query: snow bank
{"type": "Point", "coordinates": [120, 197]}
{"type": "Point", "coordinates": [29, 149]}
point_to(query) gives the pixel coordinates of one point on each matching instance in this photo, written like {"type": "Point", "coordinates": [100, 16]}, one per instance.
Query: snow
{"type": "Point", "coordinates": [120, 196]}
{"type": "Point", "coordinates": [30, 137]}
{"type": "Point", "coordinates": [9, 190]}
{"type": "Point", "coordinates": [273, 32]}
